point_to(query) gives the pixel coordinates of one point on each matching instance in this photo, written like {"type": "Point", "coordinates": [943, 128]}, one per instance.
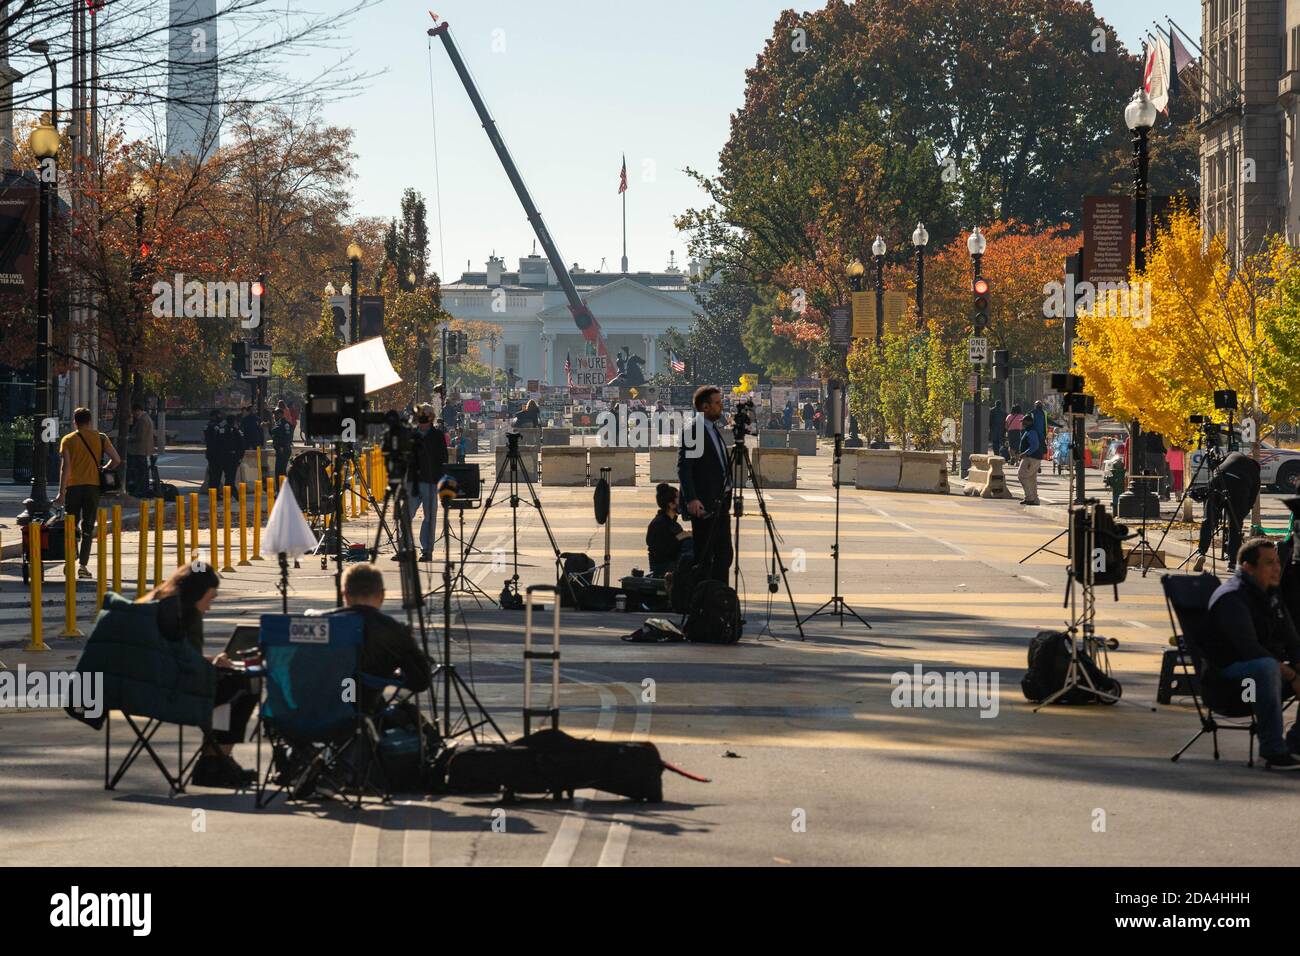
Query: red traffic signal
{"type": "Point", "coordinates": [258, 289]}
{"type": "Point", "coordinates": [981, 287]}
{"type": "Point", "coordinates": [980, 312]}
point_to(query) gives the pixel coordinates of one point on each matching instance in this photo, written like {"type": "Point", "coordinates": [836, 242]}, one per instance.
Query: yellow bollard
{"type": "Point", "coordinates": [159, 529]}
{"type": "Point", "coordinates": [243, 525]}
{"type": "Point", "coordinates": [180, 531]}
{"type": "Point", "coordinates": [270, 495]}
{"type": "Point", "coordinates": [225, 526]}
{"type": "Point", "coordinates": [352, 496]}
{"type": "Point", "coordinates": [70, 577]}
{"type": "Point", "coordinates": [142, 574]}
{"type": "Point", "coordinates": [37, 642]}
{"type": "Point", "coordinates": [101, 558]}
{"type": "Point", "coordinates": [367, 476]}
{"type": "Point", "coordinates": [214, 555]}
{"type": "Point", "coordinates": [194, 526]}
{"type": "Point", "coordinates": [259, 463]}
{"type": "Point", "coordinates": [257, 520]}
{"type": "Point", "coordinates": [117, 549]}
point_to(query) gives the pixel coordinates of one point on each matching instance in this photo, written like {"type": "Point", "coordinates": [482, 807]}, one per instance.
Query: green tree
{"type": "Point", "coordinates": [776, 356]}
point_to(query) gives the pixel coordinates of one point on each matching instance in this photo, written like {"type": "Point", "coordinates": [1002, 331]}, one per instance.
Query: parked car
{"type": "Point", "coordinates": [1279, 468]}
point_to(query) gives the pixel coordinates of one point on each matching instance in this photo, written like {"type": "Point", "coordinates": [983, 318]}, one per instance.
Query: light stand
{"type": "Point", "coordinates": [837, 606]}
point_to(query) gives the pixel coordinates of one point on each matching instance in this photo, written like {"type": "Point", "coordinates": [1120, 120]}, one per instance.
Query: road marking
{"type": "Point", "coordinates": [619, 831]}
{"type": "Point", "coordinates": [1145, 627]}
{"type": "Point", "coordinates": [365, 837]}
{"type": "Point", "coordinates": [1041, 584]}
{"type": "Point", "coordinates": [826, 498]}
{"type": "Point", "coordinates": [566, 839]}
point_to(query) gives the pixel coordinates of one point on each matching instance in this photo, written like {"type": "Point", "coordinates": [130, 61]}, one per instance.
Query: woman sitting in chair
{"type": "Point", "coordinates": [182, 601]}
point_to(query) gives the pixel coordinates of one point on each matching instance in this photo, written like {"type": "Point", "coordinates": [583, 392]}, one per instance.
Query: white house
{"type": "Point", "coordinates": [634, 310]}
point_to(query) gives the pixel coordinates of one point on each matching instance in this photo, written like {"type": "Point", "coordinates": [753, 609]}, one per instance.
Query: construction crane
{"type": "Point", "coordinates": [582, 316]}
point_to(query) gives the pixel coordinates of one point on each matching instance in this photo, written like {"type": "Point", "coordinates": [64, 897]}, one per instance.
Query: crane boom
{"type": "Point", "coordinates": [582, 316]}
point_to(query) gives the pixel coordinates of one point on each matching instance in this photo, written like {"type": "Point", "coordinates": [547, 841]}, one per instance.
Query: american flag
{"type": "Point", "coordinates": [568, 369]}
{"type": "Point", "coordinates": [622, 177]}
{"type": "Point", "coordinates": [678, 366]}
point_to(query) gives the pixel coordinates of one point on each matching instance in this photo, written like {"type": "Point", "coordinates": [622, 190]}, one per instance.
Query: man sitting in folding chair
{"type": "Point", "coordinates": [1252, 639]}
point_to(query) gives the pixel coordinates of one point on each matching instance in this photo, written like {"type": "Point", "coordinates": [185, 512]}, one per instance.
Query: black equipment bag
{"type": "Point", "coordinates": [168, 491]}
{"type": "Point", "coordinates": [714, 614]}
{"type": "Point", "coordinates": [1110, 537]}
{"type": "Point", "coordinates": [552, 762]}
{"type": "Point", "coordinates": [578, 573]}
{"type": "Point", "coordinates": [1049, 664]}
{"type": "Point", "coordinates": [681, 585]}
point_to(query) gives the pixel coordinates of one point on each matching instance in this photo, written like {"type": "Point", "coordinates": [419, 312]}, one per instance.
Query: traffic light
{"type": "Point", "coordinates": [452, 342]}
{"type": "Point", "coordinates": [1001, 364]}
{"type": "Point", "coordinates": [980, 313]}
{"type": "Point", "coordinates": [239, 357]}
{"type": "Point", "coordinates": [463, 348]}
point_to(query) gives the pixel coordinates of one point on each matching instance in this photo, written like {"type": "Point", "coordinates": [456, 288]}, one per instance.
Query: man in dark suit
{"type": "Point", "coordinates": [703, 471]}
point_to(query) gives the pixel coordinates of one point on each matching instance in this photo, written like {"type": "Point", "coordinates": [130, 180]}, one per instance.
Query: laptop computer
{"type": "Point", "coordinates": [243, 640]}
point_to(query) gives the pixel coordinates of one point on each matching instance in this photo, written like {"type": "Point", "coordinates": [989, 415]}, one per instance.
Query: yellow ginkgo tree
{"type": "Point", "coordinates": [1213, 324]}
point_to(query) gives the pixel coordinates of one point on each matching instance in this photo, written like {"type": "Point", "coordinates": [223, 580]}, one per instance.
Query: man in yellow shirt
{"type": "Point", "coordinates": [81, 452]}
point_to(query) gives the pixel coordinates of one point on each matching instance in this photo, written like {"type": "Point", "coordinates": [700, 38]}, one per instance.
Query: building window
{"type": "Point", "coordinates": [512, 357]}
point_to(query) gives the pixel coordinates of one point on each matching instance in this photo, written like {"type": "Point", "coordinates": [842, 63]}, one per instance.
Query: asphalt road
{"type": "Point", "coordinates": [810, 760]}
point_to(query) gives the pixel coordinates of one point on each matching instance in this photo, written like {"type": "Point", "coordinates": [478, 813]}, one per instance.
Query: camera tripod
{"type": "Point", "coordinates": [1222, 514]}
{"type": "Point", "coordinates": [365, 491]}
{"type": "Point", "coordinates": [462, 583]}
{"type": "Point", "coordinates": [837, 606]}
{"type": "Point", "coordinates": [1149, 555]}
{"type": "Point", "coordinates": [514, 466]}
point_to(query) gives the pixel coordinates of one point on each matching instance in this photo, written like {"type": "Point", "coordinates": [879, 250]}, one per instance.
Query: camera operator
{"type": "Point", "coordinates": [703, 471]}
{"type": "Point", "coordinates": [1233, 487]}
{"type": "Point", "coordinates": [1252, 637]}
{"type": "Point", "coordinates": [428, 464]}
{"type": "Point", "coordinates": [666, 540]}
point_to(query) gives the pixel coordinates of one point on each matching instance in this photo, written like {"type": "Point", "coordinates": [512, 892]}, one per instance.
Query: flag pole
{"type": "Point", "coordinates": [623, 191]}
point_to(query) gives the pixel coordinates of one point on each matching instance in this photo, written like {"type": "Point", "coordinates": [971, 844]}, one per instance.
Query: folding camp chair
{"type": "Point", "coordinates": [321, 741]}
{"type": "Point", "coordinates": [142, 743]}
{"type": "Point", "coordinates": [1218, 701]}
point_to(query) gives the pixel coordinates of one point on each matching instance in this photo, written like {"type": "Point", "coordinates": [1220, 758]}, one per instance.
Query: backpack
{"type": "Point", "coordinates": [713, 616]}
{"type": "Point", "coordinates": [579, 573]}
{"type": "Point", "coordinates": [1049, 663]}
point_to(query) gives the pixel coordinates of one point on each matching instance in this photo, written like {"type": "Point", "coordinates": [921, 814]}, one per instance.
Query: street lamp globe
{"type": "Point", "coordinates": [878, 247]}
{"type": "Point", "coordinates": [354, 251]}
{"type": "Point", "coordinates": [976, 243]}
{"type": "Point", "coordinates": [920, 237]}
{"type": "Point", "coordinates": [139, 189]}
{"type": "Point", "coordinates": [329, 288]}
{"type": "Point", "coordinates": [855, 269]}
{"type": "Point", "coordinates": [44, 141]}
{"type": "Point", "coordinates": [347, 288]}
{"type": "Point", "coordinates": [1140, 113]}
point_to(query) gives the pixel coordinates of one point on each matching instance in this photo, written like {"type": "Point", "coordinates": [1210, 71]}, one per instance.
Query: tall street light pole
{"type": "Point", "coordinates": [878, 250]}
{"type": "Point", "coordinates": [975, 245]}
{"type": "Point", "coordinates": [920, 238]}
{"type": "Point", "coordinates": [44, 142]}
{"type": "Point", "coordinates": [855, 271]}
{"type": "Point", "coordinates": [354, 321]}
{"type": "Point", "coordinates": [1140, 117]}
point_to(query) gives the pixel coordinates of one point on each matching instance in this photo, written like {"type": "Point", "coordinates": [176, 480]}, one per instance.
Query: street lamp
{"type": "Point", "coordinates": [975, 245]}
{"type": "Point", "coordinates": [920, 239]}
{"type": "Point", "coordinates": [855, 271]}
{"type": "Point", "coordinates": [354, 256]}
{"type": "Point", "coordinates": [44, 143]}
{"type": "Point", "coordinates": [878, 250]}
{"type": "Point", "coordinates": [1140, 117]}
{"type": "Point", "coordinates": [329, 288]}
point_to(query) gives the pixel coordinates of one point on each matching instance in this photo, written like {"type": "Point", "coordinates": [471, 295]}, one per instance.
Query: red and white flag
{"type": "Point", "coordinates": [1157, 73]}
{"type": "Point", "coordinates": [622, 177]}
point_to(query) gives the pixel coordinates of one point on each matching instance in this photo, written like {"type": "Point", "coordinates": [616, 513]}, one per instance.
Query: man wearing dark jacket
{"type": "Point", "coordinates": [388, 649]}
{"type": "Point", "coordinates": [234, 442]}
{"type": "Point", "coordinates": [703, 471]}
{"type": "Point", "coordinates": [214, 448]}
{"type": "Point", "coordinates": [1252, 639]}
{"type": "Point", "coordinates": [428, 465]}
{"type": "Point", "coordinates": [281, 442]}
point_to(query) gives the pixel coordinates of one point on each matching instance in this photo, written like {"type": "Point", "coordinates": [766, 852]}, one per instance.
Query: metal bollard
{"type": "Point", "coordinates": [214, 556]}
{"type": "Point", "coordinates": [257, 520]}
{"type": "Point", "coordinates": [37, 642]}
{"type": "Point", "coordinates": [259, 464]}
{"type": "Point", "coordinates": [117, 549]}
{"type": "Point", "coordinates": [194, 526]}
{"type": "Point", "coordinates": [243, 525]}
{"type": "Point", "coordinates": [159, 532]}
{"type": "Point", "coordinates": [142, 572]}
{"type": "Point", "coordinates": [101, 558]}
{"type": "Point", "coordinates": [180, 531]}
{"type": "Point", "coordinates": [70, 576]}
{"type": "Point", "coordinates": [225, 528]}
{"type": "Point", "coordinates": [270, 495]}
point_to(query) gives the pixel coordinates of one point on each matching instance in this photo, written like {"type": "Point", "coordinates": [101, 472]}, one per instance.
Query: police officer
{"type": "Point", "coordinates": [233, 443]}
{"type": "Point", "coordinates": [282, 442]}
{"type": "Point", "coordinates": [214, 448]}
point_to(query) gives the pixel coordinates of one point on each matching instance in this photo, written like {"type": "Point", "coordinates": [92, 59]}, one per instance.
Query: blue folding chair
{"type": "Point", "coordinates": [322, 744]}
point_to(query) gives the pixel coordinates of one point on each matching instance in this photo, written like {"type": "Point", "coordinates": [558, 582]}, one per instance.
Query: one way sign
{"type": "Point", "coordinates": [979, 350]}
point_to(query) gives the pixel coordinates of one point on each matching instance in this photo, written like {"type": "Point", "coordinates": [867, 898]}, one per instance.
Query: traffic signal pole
{"type": "Point", "coordinates": [977, 444]}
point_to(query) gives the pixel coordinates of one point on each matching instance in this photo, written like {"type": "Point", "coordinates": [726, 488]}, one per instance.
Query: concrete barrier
{"type": "Point", "coordinates": [663, 465]}
{"type": "Point", "coordinates": [924, 471]}
{"type": "Point", "coordinates": [768, 438]}
{"type": "Point", "coordinates": [985, 477]}
{"type": "Point", "coordinates": [878, 469]}
{"type": "Point", "coordinates": [848, 465]}
{"type": "Point", "coordinates": [777, 467]}
{"type": "Point", "coordinates": [621, 460]}
{"type": "Point", "coordinates": [529, 454]}
{"type": "Point", "coordinates": [804, 442]}
{"type": "Point", "coordinates": [564, 465]}
{"type": "Point", "coordinates": [555, 436]}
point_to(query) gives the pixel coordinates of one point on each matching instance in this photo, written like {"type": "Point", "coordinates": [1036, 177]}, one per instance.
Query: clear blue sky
{"type": "Point", "coordinates": [573, 85]}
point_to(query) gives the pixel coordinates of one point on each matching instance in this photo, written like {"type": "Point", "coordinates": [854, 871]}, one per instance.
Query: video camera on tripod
{"type": "Point", "coordinates": [742, 420]}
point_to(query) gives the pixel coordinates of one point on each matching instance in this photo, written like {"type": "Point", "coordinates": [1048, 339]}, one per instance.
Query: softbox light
{"type": "Point", "coordinates": [287, 531]}
{"type": "Point", "coordinates": [369, 358]}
